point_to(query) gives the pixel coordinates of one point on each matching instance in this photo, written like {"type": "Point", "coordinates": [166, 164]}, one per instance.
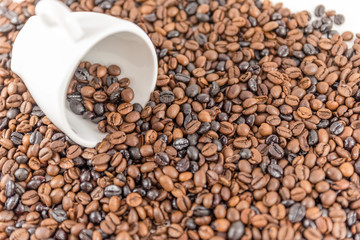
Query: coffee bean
{"type": "Point", "coordinates": [236, 231]}
{"type": "Point", "coordinates": [9, 188]}
{"type": "Point", "coordinates": [21, 174]}
{"type": "Point", "coordinates": [58, 215]}
{"type": "Point", "coordinates": [162, 159]}
{"type": "Point", "coordinates": [319, 11]}
{"type": "Point", "coordinates": [180, 143]}
{"type": "Point", "coordinates": [297, 212]}
{"type": "Point", "coordinates": [183, 165]}
{"type": "Point", "coordinates": [112, 190]}
{"type": "Point", "coordinates": [77, 107]}
{"type": "Point", "coordinates": [283, 51]}
{"type": "Point", "coordinates": [182, 78]}
{"type": "Point", "coordinates": [275, 170]}
{"type": "Point", "coordinates": [209, 149]}
{"type": "Point", "coordinates": [114, 70]}
{"type": "Point", "coordinates": [339, 19]}
{"type": "Point", "coordinates": [81, 74]}
{"type": "Point", "coordinates": [133, 199]}
{"type": "Point", "coordinates": [276, 151]}
{"type": "Point", "coordinates": [192, 90]}
{"type": "Point", "coordinates": [166, 97]}
{"type": "Point", "coordinates": [337, 128]}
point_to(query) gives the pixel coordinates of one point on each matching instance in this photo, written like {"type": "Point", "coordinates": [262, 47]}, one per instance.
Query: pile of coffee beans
{"type": "Point", "coordinates": [98, 95]}
{"type": "Point", "coordinates": [252, 132]}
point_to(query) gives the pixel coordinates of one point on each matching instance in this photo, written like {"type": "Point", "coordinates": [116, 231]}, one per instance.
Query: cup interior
{"type": "Point", "coordinates": [135, 58]}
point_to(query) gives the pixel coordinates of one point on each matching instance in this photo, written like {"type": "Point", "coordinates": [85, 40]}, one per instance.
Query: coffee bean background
{"type": "Point", "coordinates": [252, 131]}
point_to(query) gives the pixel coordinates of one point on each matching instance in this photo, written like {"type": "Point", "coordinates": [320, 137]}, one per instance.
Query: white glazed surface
{"type": "Point", "coordinates": [45, 56]}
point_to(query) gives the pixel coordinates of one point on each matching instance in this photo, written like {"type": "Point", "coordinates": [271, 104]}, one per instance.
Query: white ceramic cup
{"type": "Point", "coordinates": [50, 46]}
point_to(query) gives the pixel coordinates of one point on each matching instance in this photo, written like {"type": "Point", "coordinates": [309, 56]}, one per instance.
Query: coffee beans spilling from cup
{"type": "Point", "coordinates": [252, 132]}
{"type": "Point", "coordinates": [99, 95]}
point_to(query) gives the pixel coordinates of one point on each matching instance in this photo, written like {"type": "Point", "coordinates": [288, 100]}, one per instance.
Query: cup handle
{"type": "Point", "coordinates": [54, 12]}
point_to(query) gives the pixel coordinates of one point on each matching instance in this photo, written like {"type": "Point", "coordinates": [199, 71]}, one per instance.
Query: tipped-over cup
{"type": "Point", "coordinates": [49, 48]}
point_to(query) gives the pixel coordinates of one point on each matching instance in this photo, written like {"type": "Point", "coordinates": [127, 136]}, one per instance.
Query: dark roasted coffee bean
{"type": "Point", "coordinates": [9, 188]}
{"type": "Point", "coordinates": [272, 139]}
{"type": "Point", "coordinates": [183, 165]}
{"type": "Point", "coordinates": [162, 159]}
{"type": "Point", "coordinates": [112, 190]}
{"type": "Point", "coordinates": [283, 51]}
{"type": "Point", "coordinates": [58, 215]}
{"type": "Point", "coordinates": [21, 174]}
{"type": "Point", "coordinates": [309, 49]}
{"type": "Point", "coordinates": [192, 90]}
{"type": "Point", "coordinates": [339, 19]}
{"type": "Point", "coordinates": [276, 151]}
{"type": "Point", "coordinates": [86, 234]}
{"type": "Point", "coordinates": [297, 212]}
{"type": "Point", "coordinates": [6, 28]}
{"type": "Point", "coordinates": [190, 8]}
{"type": "Point", "coordinates": [201, 211]}
{"type": "Point", "coordinates": [323, 123]}
{"type": "Point", "coordinates": [166, 97]}
{"type": "Point", "coordinates": [245, 153]}
{"type": "Point", "coordinates": [95, 217]}
{"type": "Point", "coordinates": [275, 170]}
{"type": "Point", "coordinates": [349, 143]}
{"type": "Point", "coordinates": [11, 202]}
{"type": "Point", "coordinates": [192, 153]}
{"type": "Point", "coordinates": [312, 138]}
{"type": "Point", "coordinates": [12, 113]}
{"type": "Point", "coordinates": [182, 78]}
{"type": "Point", "coordinates": [36, 137]}
{"type": "Point", "coordinates": [337, 128]}
{"type": "Point", "coordinates": [236, 231]}
{"type": "Point", "coordinates": [77, 107]}
{"type": "Point", "coordinates": [21, 159]}
{"type": "Point", "coordinates": [319, 11]}
{"type": "Point", "coordinates": [180, 143]}
{"type": "Point", "coordinates": [81, 74]}
{"type": "Point", "coordinates": [16, 138]}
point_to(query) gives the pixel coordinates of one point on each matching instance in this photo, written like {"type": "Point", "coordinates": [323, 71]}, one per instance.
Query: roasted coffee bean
{"type": "Point", "coordinates": [21, 174]}
{"type": "Point", "coordinates": [9, 188]}
{"type": "Point", "coordinates": [337, 128]}
{"type": "Point", "coordinates": [112, 190]}
{"type": "Point", "coordinates": [11, 202]}
{"type": "Point", "coordinates": [276, 151]}
{"type": "Point", "coordinates": [77, 107]}
{"type": "Point", "coordinates": [166, 97]}
{"type": "Point", "coordinates": [81, 74]}
{"type": "Point", "coordinates": [275, 170]}
{"type": "Point", "coordinates": [245, 153]}
{"type": "Point", "coordinates": [182, 77]}
{"type": "Point", "coordinates": [297, 212]}
{"type": "Point", "coordinates": [312, 138]}
{"type": "Point", "coordinates": [339, 19]}
{"type": "Point", "coordinates": [236, 231]}
{"type": "Point", "coordinates": [183, 165]}
{"type": "Point", "coordinates": [162, 159]}
{"type": "Point", "coordinates": [58, 215]}
{"type": "Point", "coordinates": [180, 144]}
